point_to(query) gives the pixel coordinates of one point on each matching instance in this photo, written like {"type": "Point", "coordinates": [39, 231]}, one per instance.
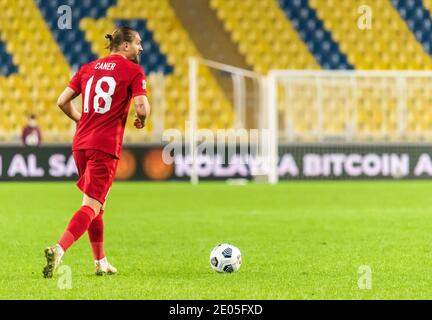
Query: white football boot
{"type": "Point", "coordinates": [53, 257]}
{"type": "Point", "coordinates": [103, 267]}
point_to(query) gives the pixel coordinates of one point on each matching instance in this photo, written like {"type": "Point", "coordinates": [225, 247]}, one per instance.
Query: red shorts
{"type": "Point", "coordinates": [96, 170]}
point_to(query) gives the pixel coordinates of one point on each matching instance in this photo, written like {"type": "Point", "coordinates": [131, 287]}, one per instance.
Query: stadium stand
{"type": "Point", "coordinates": [38, 58]}
{"type": "Point", "coordinates": [72, 41]}
{"type": "Point", "coordinates": [264, 35]}
{"type": "Point", "coordinates": [317, 38]}
{"type": "Point", "coordinates": [388, 45]}
{"type": "Point", "coordinates": [418, 19]}
{"type": "Point", "coordinates": [428, 5]}
{"type": "Point", "coordinates": [175, 44]}
{"type": "Point", "coordinates": [7, 67]}
{"type": "Point", "coordinates": [42, 70]}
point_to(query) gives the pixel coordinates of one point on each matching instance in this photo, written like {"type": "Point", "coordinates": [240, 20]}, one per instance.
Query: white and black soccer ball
{"type": "Point", "coordinates": [225, 258]}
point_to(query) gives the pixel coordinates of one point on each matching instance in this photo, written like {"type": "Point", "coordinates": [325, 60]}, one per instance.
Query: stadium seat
{"type": "Point", "coordinates": [175, 44]}
{"type": "Point", "coordinates": [38, 58]}
{"type": "Point", "coordinates": [311, 30]}
{"type": "Point", "coordinates": [256, 33]}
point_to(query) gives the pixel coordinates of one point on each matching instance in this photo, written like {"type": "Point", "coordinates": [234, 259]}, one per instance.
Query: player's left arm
{"type": "Point", "coordinates": [142, 108]}
{"type": "Point", "coordinates": [66, 105]}
{"type": "Point", "coordinates": [139, 94]}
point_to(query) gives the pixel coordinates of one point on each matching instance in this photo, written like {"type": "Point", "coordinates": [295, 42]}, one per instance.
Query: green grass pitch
{"type": "Point", "coordinates": [299, 240]}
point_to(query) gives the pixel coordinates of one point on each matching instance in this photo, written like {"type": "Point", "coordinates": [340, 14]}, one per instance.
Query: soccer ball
{"type": "Point", "coordinates": [225, 258]}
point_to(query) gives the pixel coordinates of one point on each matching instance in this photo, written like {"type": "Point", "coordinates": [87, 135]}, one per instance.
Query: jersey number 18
{"type": "Point", "coordinates": [99, 93]}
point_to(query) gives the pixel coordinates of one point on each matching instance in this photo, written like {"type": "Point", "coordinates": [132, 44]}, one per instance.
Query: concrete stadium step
{"type": "Point", "coordinates": [207, 32]}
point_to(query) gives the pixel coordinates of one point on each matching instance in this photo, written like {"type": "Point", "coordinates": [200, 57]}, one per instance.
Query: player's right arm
{"type": "Point", "coordinates": [72, 91]}
{"type": "Point", "coordinates": [142, 108]}
{"type": "Point", "coordinates": [65, 104]}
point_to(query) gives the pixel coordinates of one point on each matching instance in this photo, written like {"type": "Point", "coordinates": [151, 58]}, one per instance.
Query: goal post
{"type": "Point", "coordinates": [273, 119]}
{"type": "Point", "coordinates": [249, 134]}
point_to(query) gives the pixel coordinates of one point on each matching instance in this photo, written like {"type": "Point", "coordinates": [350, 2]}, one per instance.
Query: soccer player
{"type": "Point", "coordinates": [107, 86]}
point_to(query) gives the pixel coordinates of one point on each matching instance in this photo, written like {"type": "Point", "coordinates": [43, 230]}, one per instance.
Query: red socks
{"type": "Point", "coordinates": [96, 235]}
{"type": "Point", "coordinates": [84, 220]}
{"type": "Point", "coordinates": [79, 224]}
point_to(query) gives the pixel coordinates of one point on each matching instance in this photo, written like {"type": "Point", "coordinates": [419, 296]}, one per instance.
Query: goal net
{"type": "Point", "coordinates": [346, 125]}
{"type": "Point", "coordinates": [310, 124]}
{"type": "Point", "coordinates": [229, 133]}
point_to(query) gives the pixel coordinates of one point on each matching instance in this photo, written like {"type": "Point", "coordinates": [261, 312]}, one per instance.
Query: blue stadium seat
{"type": "Point", "coordinates": [74, 45]}
{"type": "Point", "coordinates": [418, 20]}
{"type": "Point", "coordinates": [311, 29]}
{"type": "Point", "coordinates": [70, 40]}
{"type": "Point", "coordinates": [7, 66]}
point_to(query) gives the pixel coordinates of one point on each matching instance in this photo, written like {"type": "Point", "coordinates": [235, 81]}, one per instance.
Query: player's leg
{"type": "Point", "coordinates": [96, 171]}
{"type": "Point", "coordinates": [96, 228]}
{"type": "Point", "coordinates": [79, 223]}
{"type": "Point", "coordinates": [96, 236]}
{"type": "Point", "coordinates": [77, 226]}
{"type": "Point", "coordinates": [91, 205]}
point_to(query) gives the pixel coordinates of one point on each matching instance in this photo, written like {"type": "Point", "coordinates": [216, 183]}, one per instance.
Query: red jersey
{"type": "Point", "coordinates": [107, 86]}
